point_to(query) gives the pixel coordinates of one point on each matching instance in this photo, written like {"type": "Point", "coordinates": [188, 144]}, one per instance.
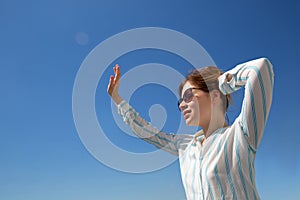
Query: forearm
{"type": "Point", "coordinates": [252, 71]}
{"type": "Point", "coordinates": [146, 131]}
{"type": "Point", "coordinates": [117, 99]}
{"type": "Point", "coordinates": [257, 77]}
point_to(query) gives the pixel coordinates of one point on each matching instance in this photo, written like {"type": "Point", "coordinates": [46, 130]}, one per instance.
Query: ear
{"type": "Point", "coordinates": [215, 96]}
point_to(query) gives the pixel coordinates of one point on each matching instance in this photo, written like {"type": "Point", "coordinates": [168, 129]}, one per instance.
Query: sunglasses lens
{"type": "Point", "coordinates": [187, 97]}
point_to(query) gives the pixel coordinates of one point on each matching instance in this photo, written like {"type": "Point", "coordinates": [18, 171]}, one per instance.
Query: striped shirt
{"type": "Point", "coordinates": [222, 167]}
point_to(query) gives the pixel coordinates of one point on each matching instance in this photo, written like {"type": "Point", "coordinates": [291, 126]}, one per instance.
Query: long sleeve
{"type": "Point", "coordinates": [258, 78]}
{"type": "Point", "coordinates": [144, 130]}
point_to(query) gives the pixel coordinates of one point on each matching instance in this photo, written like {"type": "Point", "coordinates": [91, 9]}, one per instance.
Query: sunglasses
{"type": "Point", "coordinates": [187, 96]}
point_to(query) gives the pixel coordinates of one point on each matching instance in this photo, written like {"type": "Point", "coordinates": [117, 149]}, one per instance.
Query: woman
{"type": "Point", "coordinates": [218, 161]}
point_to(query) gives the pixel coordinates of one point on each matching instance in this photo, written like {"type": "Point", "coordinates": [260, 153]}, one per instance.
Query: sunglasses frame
{"type": "Point", "coordinates": [187, 99]}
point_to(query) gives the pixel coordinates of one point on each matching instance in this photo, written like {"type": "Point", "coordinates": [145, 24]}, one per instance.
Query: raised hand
{"type": "Point", "coordinates": [113, 86]}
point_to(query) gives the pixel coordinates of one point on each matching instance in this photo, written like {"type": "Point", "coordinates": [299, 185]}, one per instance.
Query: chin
{"type": "Point", "coordinates": [191, 122]}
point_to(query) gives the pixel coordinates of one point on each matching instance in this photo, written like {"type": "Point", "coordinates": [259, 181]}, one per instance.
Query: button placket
{"type": "Point", "coordinates": [200, 160]}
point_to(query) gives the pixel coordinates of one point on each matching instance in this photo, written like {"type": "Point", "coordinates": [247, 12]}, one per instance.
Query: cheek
{"type": "Point", "coordinates": [194, 106]}
{"type": "Point", "coordinates": [203, 108]}
{"type": "Point", "coordinates": [195, 111]}
{"type": "Point", "coordinates": [206, 110]}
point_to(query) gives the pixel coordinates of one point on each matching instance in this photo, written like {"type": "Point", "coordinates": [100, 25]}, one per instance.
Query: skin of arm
{"type": "Point", "coordinates": [139, 126]}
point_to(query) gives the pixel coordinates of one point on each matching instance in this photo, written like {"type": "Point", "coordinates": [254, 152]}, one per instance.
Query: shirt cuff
{"type": "Point", "coordinates": [126, 111]}
{"type": "Point", "coordinates": [225, 86]}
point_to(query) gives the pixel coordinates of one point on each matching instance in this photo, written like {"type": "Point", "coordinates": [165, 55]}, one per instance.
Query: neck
{"type": "Point", "coordinates": [213, 125]}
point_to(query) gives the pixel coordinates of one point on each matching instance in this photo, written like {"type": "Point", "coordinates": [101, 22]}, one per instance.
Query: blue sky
{"type": "Point", "coordinates": [43, 44]}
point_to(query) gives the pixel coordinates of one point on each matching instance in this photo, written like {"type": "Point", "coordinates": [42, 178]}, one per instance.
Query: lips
{"type": "Point", "coordinates": [186, 113]}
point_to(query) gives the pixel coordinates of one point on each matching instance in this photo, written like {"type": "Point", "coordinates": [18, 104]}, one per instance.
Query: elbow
{"type": "Point", "coordinates": [269, 65]}
{"type": "Point", "coordinates": [266, 63]}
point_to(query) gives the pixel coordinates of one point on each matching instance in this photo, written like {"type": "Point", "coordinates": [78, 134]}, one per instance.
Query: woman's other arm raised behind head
{"type": "Point", "coordinates": [258, 78]}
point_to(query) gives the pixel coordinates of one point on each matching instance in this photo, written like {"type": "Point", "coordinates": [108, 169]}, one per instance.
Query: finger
{"type": "Point", "coordinates": [111, 81]}
{"type": "Point", "coordinates": [111, 78]}
{"type": "Point", "coordinates": [115, 69]}
{"type": "Point", "coordinates": [117, 72]}
{"type": "Point", "coordinates": [110, 85]}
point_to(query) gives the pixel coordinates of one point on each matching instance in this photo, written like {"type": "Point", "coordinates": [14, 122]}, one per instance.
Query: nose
{"type": "Point", "coordinates": [182, 106]}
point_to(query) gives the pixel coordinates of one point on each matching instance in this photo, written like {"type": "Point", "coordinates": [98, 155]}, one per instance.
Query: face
{"type": "Point", "coordinates": [197, 111]}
